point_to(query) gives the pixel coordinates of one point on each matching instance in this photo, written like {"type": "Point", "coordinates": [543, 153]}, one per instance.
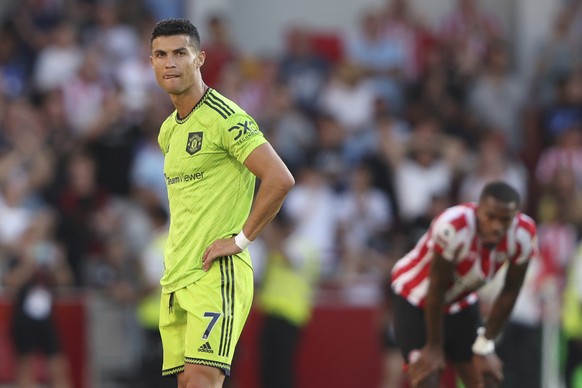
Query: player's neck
{"type": "Point", "coordinates": [185, 102]}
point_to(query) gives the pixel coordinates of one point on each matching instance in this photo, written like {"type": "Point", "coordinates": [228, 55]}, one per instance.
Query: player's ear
{"type": "Point", "coordinates": [200, 59]}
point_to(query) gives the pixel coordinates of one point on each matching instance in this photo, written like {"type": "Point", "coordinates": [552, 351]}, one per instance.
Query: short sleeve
{"type": "Point", "coordinates": [527, 246]}
{"type": "Point", "coordinates": [241, 136]}
{"type": "Point", "coordinates": [163, 144]}
{"type": "Point", "coordinates": [163, 138]}
{"type": "Point", "coordinates": [445, 239]}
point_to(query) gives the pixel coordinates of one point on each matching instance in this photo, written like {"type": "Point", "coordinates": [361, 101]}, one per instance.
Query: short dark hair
{"type": "Point", "coordinates": [500, 191]}
{"type": "Point", "coordinates": [175, 26]}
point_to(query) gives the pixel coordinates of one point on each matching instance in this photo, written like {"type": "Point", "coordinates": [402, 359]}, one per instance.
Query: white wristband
{"type": "Point", "coordinates": [242, 241]}
{"type": "Point", "coordinates": [483, 346]}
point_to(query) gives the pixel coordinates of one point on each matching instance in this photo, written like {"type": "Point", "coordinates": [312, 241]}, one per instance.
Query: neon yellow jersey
{"type": "Point", "coordinates": [210, 191]}
{"type": "Point", "coordinates": [571, 312]}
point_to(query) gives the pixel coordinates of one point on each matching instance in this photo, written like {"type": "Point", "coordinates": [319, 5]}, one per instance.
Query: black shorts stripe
{"type": "Point", "coordinates": [231, 306]}
{"type": "Point", "coordinates": [221, 103]}
{"type": "Point", "coordinates": [223, 282]}
{"type": "Point", "coordinates": [228, 303]}
{"type": "Point", "coordinates": [213, 106]}
{"type": "Point", "coordinates": [227, 291]}
{"type": "Point", "coordinates": [225, 313]}
{"type": "Point", "coordinates": [224, 349]}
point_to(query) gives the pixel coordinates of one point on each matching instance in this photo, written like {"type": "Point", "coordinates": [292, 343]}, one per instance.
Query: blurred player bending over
{"type": "Point", "coordinates": [435, 305]}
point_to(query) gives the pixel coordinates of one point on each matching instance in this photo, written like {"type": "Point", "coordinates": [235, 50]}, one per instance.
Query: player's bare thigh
{"type": "Point", "coordinates": [200, 376]}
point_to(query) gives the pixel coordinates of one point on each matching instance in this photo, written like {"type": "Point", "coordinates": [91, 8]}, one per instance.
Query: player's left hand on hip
{"type": "Point", "coordinates": [219, 248]}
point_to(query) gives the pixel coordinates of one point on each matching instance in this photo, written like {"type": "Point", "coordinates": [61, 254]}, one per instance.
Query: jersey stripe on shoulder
{"type": "Point", "coordinates": [212, 105]}
{"type": "Point", "coordinates": [527, 223]}
{"type": "Point", "coordinates": [216, 98]}
{"type": "Point", "coordinates": [218, 105]}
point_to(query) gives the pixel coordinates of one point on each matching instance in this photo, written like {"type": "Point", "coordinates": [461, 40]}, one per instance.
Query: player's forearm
{"type": "Point", "coordinates": [272, 192]}
{"type": "Point", "coordinates": [500, 313]}
{"type": "Point", "coordinates": [504, 303]}
{"type": "Point", "coordinates": [440, 275]}
{"type": "Point", "coordinates": [433, 314]}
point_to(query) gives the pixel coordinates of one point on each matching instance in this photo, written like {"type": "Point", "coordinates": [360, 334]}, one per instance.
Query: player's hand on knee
{"type": "Point", "coordinates": [489, 370]}
{"type": "Point", "coordinates": [489, 381]}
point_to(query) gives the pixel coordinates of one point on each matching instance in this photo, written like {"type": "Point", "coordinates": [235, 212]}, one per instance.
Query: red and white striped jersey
{"type": "Point", "coordinates": [453, 234]}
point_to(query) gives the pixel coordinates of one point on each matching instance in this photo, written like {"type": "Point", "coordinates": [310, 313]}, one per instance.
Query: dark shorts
{"type": "Point", "coordinates": [388, 337]}
{"type": "Point", "coordinates": [29, 335]}
{"type": "Point", "coordinates": [460, 329]}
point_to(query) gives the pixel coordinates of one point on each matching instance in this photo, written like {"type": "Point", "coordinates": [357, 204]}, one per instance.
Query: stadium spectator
{"type": "Point", "coordinates": [466, 32]}
{"type": "Point", "coordinates": [558, 56]}
{"type": "Point", "coordinates": [220, 50]}
{"type": "Point", "coordinates": [302, 69]}
{"type": "Point", "coordinates": [286, 297]}
{"type": "Point", "coordinates": [423, 173]}
{"type": "Point", "coordinates": [85, 93]}
{"type": "Point", "coordinates": [566, 152]}
{"type": "Point", "coordinates": [60, 58]}
{"type": "Point", "coordinates": [381, 58]}
{"type": "Point", "coordinates": [365, 219]}
{"type": "Point", "coordinates": [38, 272]}
{"type": "Point", "coordinates": [147, 182]}
{"type": "Point", "coordinates": [493, 163]}
{"type": "Point", "coordinates": [311, 206]}
{"type": "Point", "coordinates": [78, 202]}
{"type": "Point", "coordinates": [14, 80]}
{"type": "Point", "coordinates": [288, 128]}
{"type": "Point", "coordinates": [151, 270]}
{"type": "Point", "coordinates": [496, 79]}
{"type": "Point", "coordinates": [115, 40]}
{"type": "Point", "coordinates": [348, 97]}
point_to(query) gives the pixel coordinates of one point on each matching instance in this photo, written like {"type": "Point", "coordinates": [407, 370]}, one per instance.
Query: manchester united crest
{"type": "Point", "coordinates": [194, 142]}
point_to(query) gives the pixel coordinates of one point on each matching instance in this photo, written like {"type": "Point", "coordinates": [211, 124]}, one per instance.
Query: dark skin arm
{"type": "Point", "coordinates": [276, 181]}
{"type": "Point", "coordinates": [505, 301]}
{"type": "Point", "coordinates": [432, 358]}
{"type": "Point", "coordinates": [490, 366]}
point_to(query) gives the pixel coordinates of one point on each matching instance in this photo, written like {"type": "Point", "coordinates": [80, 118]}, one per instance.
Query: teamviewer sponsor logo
{"type": "Point", "coordinates": [205, 348]}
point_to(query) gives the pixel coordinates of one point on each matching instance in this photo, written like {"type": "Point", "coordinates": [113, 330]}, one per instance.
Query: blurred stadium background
{"type": "Point", "coordinates": [387, 111]}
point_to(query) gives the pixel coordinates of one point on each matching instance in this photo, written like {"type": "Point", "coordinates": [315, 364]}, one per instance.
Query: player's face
{"type": "Point", "coordinates": [176, 63]}
{"type": "Point", "coordinates": [493, 219]}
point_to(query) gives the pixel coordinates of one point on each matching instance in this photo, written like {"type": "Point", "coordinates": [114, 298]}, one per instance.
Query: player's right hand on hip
{"type": "Point", "coordinates": [219, 248]}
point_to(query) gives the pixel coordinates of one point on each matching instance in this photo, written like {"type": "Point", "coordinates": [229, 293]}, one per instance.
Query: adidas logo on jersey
{"type": "Point", "coordinates": [205, 348]}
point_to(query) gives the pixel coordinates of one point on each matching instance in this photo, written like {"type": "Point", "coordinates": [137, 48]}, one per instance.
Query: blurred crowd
{"type": "Point", "coordinates": [383, 128]}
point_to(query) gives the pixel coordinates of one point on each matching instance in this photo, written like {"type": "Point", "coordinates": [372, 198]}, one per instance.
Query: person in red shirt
{"type": "Point", "coordinates": [434, 286]}
{"type": "Point", "coordinates": [220, 51]}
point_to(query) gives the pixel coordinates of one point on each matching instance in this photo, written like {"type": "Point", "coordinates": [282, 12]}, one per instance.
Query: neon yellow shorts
{"type": "Point", "coordinates": [201, 323]}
